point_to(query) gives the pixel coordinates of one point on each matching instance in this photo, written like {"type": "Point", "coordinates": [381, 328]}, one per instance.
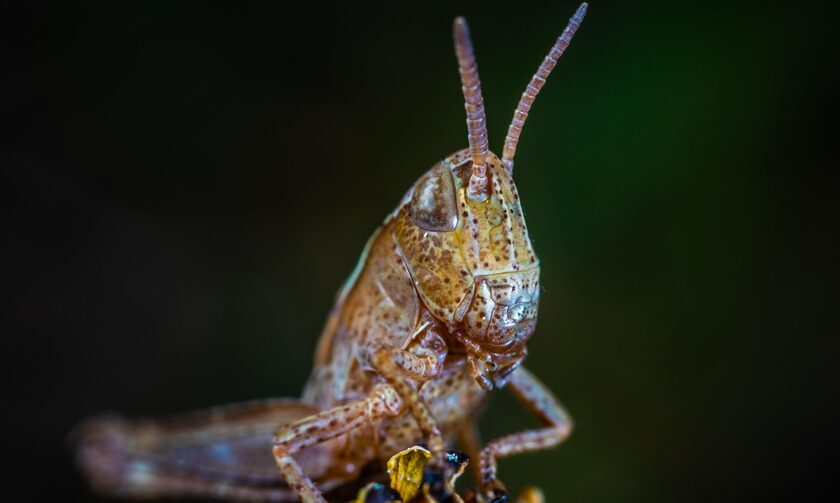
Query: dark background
{"type": "Point", "coordinates": [185, 187]}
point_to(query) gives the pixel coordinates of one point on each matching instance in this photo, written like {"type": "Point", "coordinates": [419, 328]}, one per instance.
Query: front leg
{"type": "Point", "coordinates": [541, 402]}
{"type": "Point", "coordinates": [395, 365]}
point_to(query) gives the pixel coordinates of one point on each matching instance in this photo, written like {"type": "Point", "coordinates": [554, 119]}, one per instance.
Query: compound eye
{"type": "Point", "coordinates": [433, 205]}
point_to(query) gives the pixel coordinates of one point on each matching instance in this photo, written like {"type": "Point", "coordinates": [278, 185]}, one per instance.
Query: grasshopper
{"type": "Point", "coordinates": [437, 313]}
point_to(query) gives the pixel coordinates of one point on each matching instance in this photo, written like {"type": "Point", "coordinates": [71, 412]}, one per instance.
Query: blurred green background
{"type": "Point", "coordinates": [186, 187]}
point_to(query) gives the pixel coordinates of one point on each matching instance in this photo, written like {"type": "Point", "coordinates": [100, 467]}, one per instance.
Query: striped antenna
{"type": "Point", "coordinates": [474, 105]}
{"type": "Point", "coordinates": [537, 81]}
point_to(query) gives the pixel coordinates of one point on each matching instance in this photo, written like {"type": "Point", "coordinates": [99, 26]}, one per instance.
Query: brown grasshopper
{"type": "Point", "coordinates": [437, 313]}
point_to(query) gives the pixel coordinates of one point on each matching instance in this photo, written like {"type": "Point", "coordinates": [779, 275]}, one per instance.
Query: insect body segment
{"type": "Point", "coordinates": [438, 313]}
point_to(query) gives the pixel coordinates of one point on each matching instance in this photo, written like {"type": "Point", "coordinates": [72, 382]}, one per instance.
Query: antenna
{"type": "Point", "coordinates": [537, 82]}
{"type": "Point", "coordinates": [474, 105]}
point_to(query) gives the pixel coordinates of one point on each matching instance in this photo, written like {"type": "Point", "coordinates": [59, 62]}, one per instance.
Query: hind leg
{"type": "Point", "coordinates": [382, 401]}
{"type": "Point", "coordinates": [223, 452]}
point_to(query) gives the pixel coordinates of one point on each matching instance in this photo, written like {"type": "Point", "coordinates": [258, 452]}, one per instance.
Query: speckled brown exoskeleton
{"type": "Point", "coordinates": [438, 312]}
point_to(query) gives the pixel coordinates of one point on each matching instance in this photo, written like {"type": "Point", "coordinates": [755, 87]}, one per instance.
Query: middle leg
{"type": "Point", "coordinates": [539, 400]}
{"type": "Point", "coordinates": [469, 438]}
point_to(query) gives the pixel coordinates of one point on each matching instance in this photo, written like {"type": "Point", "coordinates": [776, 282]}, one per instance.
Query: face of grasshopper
{"type": "Point", "coordinates": [472, 262]}
{"type": "Point", "coordinates": [462, 234]}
